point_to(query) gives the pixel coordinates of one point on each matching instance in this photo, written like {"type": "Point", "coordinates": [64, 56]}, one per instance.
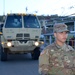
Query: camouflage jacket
{"type": "Point", "coordinates": [56, 60]}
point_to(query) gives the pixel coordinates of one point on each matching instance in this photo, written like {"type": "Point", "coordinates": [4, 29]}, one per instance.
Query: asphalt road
{"type": "Point", "coordinates": [20, 64]}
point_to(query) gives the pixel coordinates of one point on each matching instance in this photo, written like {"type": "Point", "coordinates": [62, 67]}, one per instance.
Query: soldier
{"type": "Point", "coordinates": [58, 58]}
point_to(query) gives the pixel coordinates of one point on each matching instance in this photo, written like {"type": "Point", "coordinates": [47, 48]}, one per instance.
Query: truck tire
{"type": "Point", "coordinates": [35, 54]}
{"type": "Point", "coordinates": [3, 54]}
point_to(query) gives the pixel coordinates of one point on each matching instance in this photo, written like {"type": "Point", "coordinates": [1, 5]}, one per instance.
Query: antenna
{"type": "Point", "coordinates": [26, 9]}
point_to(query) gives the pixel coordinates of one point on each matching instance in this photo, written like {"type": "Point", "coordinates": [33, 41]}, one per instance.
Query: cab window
{"type": "Point", "coordinates": [31, 22]}
{"type": "Point", "coordinates": [13, 21]}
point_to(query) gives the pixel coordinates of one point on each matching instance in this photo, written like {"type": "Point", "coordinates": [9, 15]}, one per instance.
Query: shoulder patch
{"type": "Point", "coordinates": [43, 52]}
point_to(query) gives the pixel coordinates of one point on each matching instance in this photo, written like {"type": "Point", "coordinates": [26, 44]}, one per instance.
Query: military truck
{"type": "Point", "coordinates": [21, 34]}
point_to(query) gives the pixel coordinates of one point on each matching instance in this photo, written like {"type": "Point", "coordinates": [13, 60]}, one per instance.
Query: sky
{"type": "Point", "coordinates": [39, 7]}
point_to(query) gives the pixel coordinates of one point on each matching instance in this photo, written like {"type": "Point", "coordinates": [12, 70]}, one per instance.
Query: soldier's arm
{"type": "Point", "coordinates": [44, 62]}
{"type": "Point", "coordinates": [74, 62]}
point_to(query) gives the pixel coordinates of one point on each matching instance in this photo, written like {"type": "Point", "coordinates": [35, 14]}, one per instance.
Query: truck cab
{"type": "Point", "coordinates": [21, 34]}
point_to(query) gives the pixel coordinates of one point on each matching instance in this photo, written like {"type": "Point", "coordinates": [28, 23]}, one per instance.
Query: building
{"type": "Point", "coordinates": [47, 23]}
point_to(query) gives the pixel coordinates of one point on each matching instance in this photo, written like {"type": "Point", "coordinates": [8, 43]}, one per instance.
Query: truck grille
{"type": "Point", "coordinates": [26, 35]}
{"type": "Point", "coordinates": [23, 41]}
{"type": "Point", "coordinates": [21, 36]}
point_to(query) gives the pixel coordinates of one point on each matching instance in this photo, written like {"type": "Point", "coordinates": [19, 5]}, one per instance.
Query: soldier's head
{"type": "Point", "coordinates": [60, 27]}
{"type": "Point", "coordinates": [60, 32]}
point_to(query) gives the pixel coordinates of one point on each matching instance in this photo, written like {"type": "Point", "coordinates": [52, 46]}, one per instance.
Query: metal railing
{"type": "Point", "coordinates": [71, 42]}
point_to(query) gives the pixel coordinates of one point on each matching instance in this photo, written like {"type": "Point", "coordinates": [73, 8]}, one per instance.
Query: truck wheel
{"type": "Point", "coordinates": [35, 54]}
{"type": "Point", "coordinates": [3, 54]}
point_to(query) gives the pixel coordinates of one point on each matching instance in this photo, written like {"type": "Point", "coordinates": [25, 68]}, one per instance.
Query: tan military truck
{"type": "Point", "coordinates": [21, 34]}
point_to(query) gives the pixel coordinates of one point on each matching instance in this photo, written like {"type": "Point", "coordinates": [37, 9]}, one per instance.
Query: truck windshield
{"type": "Point", "coordinates": [13, 21]}
{"type": "Point", "coordinates": [31, 22]}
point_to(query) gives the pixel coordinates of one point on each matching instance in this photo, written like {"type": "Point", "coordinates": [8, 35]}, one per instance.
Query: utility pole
{"type": "Point", "coordinates": [3, 7]}
{"type": "Point", "coordinates": [3, 10]}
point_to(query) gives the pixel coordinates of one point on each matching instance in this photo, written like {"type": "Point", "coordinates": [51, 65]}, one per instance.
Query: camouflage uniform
{"type": "Point", "coordinates": [56, 60]}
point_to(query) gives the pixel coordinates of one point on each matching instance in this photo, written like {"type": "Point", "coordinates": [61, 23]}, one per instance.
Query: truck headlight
{"type": "Point", "coordinates": [9, 44]}
{"type": "Point", "coordinates": [42, 42]}
{"type": "Point", "coordinates": [36, 43]}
